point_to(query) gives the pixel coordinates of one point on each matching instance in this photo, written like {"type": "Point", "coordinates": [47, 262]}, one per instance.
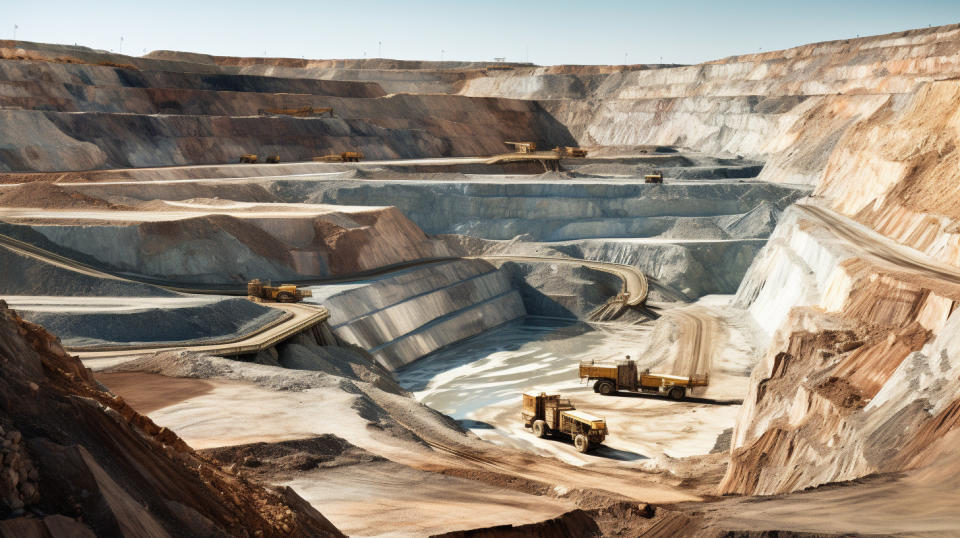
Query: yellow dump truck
{"type": "Point", "coordinates": [655, 177]}
{"type": "Point", "coordinates": [249, 158]}
{"type": "Point", "coordinates": [549, 414]}
{"type": "Point", "coordinates": [523, 147]}
{"type": "Point", "coordinates": [302, 112]}
{"type": "Point", "coordinates": [567, 151]}
{"type": "Point", "coordinates": [284, 293]}
{"type": "Point", "coordinates": [343, 157]}
{"type": "Point", "coordinates": [611, 378]}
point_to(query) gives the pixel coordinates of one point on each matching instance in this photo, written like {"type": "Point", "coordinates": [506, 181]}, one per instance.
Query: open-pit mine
{"type": "Point", "coordinates": [773, 240]}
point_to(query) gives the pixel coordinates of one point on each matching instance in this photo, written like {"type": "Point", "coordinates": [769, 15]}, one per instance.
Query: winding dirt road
{"type": "Point", "coordinates": [696, 350]}
{"type": "Point", "coordinates": [879, 246]}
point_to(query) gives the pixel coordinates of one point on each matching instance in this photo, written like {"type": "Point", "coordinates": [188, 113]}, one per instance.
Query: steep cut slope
{"type": "Point", "coordinates": [861, 376]}
{"type": "Point", "coordinates": [78, 109]}
{"type": "Point", "coordinates": [79, 461]}
{"type": "Point", "coordinates": [218, 242]}
{"type": "Point", "coordinates": [788, 107]}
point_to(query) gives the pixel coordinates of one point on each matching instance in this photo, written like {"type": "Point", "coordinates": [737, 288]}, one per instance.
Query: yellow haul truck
{"type": "Point", "coordinates": [548, 414]}
{"type": "Point", "coordinates": [284, 293]}
{"type": "Point", "coordinates": [624, 376]}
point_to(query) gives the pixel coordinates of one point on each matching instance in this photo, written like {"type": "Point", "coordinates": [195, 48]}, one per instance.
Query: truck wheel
{"type": "Point", "coordinates": [676, 393]}
{"type": "Point", "coordinates": [286, 297]}
{"type": "Point", "coordinates": [605, 387]}
{"type": "Point", "coordinates": [581, 443]}
{"type": "Point", "coordinates": [540, 428]}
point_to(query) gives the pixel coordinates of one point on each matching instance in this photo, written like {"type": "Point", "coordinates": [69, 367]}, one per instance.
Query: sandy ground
{"type": "Point", "coordinates": [211, 419]}
{"type": "Point", "coordinates": [377, 499]}
{"type": "Point", "coordinates": [406, 496]}
{"type": "Point", "coordinates": [148, 392]}
{"type": "Point", "coordinates": [479, 382]}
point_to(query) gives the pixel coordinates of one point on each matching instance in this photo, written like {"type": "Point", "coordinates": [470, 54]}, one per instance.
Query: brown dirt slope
{"type": "Point", "coordinates": [51, 196]}
{"type": "Point", "coordinates": [79, 461]}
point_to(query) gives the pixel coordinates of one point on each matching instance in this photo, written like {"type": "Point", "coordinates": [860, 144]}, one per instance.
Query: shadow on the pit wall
{"type": "Point", "coordinates": [689, 399]}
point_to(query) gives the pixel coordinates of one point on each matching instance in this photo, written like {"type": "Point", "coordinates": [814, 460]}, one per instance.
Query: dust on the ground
{"type": "Point", "coordinates": [148, 392]}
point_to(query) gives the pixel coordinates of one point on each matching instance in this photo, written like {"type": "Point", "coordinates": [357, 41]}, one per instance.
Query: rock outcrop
{"type": "Point", "coordinates": [213, 242]}
{"type": "Point", "coordinates": [78, 461]}
{"type": "Point", "coordinates": [861, 375]}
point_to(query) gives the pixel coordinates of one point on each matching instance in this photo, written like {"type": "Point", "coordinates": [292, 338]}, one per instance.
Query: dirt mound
{"type": "Point", "coordinates": [283, 460]}
{"type": "Point", "coordinates": [94, 466]}
{"type": "Point", "coordinates": [51, 196]}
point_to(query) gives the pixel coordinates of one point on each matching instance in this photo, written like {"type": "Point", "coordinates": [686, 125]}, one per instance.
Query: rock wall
{"type": "Point", "coordinates": [169, 324]}
{"type": "Point", "coordinates": [895, 171]}
{"type": "Point", "coordinates": [557, 211]}
{"type": "Point", "coordinates": [88, 109]}
{"type": "Point", "coordinates": [404, 316]}
{"type": "Point", "coordinates": [788, 108]}
{"type": "Point", "coordinates": [860, 377]}
{"type": "Point", "coordinates": [276, 245]}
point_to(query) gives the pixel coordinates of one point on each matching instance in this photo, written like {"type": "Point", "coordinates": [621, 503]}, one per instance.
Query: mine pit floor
{"type": "Point", "coordinates": [479, 381]}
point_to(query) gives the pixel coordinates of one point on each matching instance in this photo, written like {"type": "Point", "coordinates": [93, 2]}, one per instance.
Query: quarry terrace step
{"type": "Point", "coordinates": [301, 318]}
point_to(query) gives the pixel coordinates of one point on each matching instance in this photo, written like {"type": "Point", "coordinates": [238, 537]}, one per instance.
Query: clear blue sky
{"type": "Point", "coordinates": [544, 32]}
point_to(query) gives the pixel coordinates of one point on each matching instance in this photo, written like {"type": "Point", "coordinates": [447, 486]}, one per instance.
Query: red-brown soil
{"type": "Point", "coordinates": [51, 196]}
{"type": "Point", "coordinates": [149, 392]}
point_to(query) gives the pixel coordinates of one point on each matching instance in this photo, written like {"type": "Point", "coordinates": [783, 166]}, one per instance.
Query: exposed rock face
{"type": "Point", "coordinates": [895, 171]}
{"type": "Point", "coordinates": [788, 108]}
{"type": "Point", "coordinates": [260, 242]}
{"type": "Point", "coordinates": [77, 109]}
{"type": "Point", "coordinates": [559, 211]}
{"type": "Point", "coordinates": [402, 317]}
{"type": "Point", "coordinates": [78, 461]}
{"type": "Point", "coordinates": [865, 381]}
